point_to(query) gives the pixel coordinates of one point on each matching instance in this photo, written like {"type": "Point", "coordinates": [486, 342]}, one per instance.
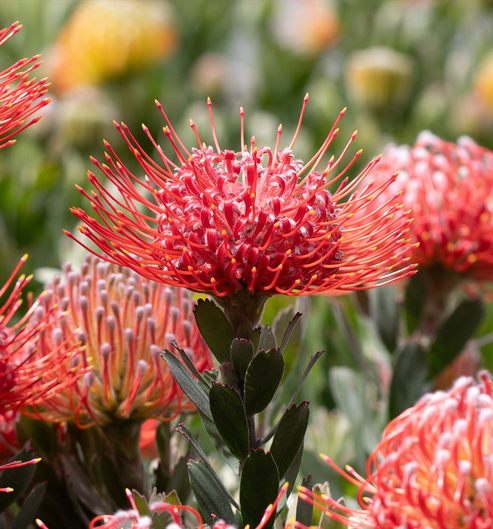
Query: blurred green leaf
{"type": "Point", "coordinates": [417, 289]}
{"type": "Point", "coordinates": [453, 335]}
{"type": "Point", "coordinates": [16, 478]}
{"type": "Point", "coordinates": [408, 379]}
{"type": "Point", "coordinates": [385, 313]}
{"type": "Point", "coordinates": [30, 507]}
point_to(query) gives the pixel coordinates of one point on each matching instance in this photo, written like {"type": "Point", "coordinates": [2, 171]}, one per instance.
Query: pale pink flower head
{"type": "Point", "coordinates": [123, 321]}
{"type": "Point", "coordinates": [449, 187]}
{"type": "Point", "coordinates": [432, 468]}
{"type": "Point", "coordinates": [258, 220]}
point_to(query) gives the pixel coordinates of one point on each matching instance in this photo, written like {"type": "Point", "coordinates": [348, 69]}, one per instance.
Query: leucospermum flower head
{"type": "Point", "coordinates": [450, 189]}
{"type": "Point", "coordinates": [257, 220]}
{"type": "Point", "coordinates": [20, 97]}
{"type": "Point", "coordinates": [123, 321]}
{"type": "Point", "coordinates": [432, 468]}
{"type": "Point", "coordinates": [28, 375]}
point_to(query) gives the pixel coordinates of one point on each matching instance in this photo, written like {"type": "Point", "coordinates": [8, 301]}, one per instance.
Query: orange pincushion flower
{"type": "Point", "coordinates": [18, 93]}
{"type": "Point", "coordinates": [432, 468]}
{"type": "Point", "coordinates": [257, 221]}
{"type": "Point", "coordinates": [450, 190]}
{"type": "Point", "coordinates": [123, 321]}
{"type": "Point", "coordinates": [27, 375]}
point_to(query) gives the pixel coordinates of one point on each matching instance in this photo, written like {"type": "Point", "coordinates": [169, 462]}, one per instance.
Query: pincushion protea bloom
{"type": "Point", "coordinates": [450, 189]}
{"type": "Point", "coordinates": [123, 321]}
{"type": "Point", "coordinates": [256, 221]}
{"type": "Point", "coordinates": [18, 93]}
{"type": "Point", "coordinates": [28, 375]}
{"type": "Point", "coordinates": [432, 468]}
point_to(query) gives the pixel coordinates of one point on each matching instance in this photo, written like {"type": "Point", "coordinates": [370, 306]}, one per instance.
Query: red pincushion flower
{"type": "Point", "coordinates": [257, 221]}
{"type": "Point", "coordinates": [123, 322]}
{"type": "Point", "coordinates": [18, 93]}
{"type": "Point", "coordinates": [449, 187]}
{"type": "Point", "coordinates": [27, 375]}
{"type": "Point", "coordinates": [432, 468]}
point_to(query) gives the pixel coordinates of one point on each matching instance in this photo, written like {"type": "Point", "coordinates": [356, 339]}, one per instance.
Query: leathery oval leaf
{"type": "Point", "coordinates": [263, 376]}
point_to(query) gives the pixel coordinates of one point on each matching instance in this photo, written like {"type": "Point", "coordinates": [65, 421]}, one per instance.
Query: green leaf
{"type": "Point", "coordinates": [141, 504]}
{"type": "Point", "coordinates": [43, 435]}
{"type": "Point", "coordinates": [187, 383]}
{"type": "Point", "coordinates": [289, 436]}
{"type": "Point", "coordinates": [384, 312]}
{"type": "Point", "coordinates": [304, 510]}
{"type": "Point", "coordinates": [417, 289]}
{"type": "Point", "coordinates": [453, 335]}
{"type": "Point", "coordinates": [259, 486]}
{"type": "Point", "coordinates": [179, 481]}
{"type": "Point", "coordinates": [30, 507]}
{"type": "Point", "coordinates": [289, 329]}
{"type": "Point", "coordinates": [241, 355]}
{"type": "Point", "coordinates": [255, 338]}
{"type": "Point", "coordinates": [408, 379]}
{"type": "Point", "coordinates": [289, 335]}
{"type": "Point", "coordinates": [218, 442]}
{"type": "Point", "coordinates": [16, 478]}
{"type": "Point", "coordinates": [267, 339]}
{"type": "Point", "coordinates": [290, 477]}
{"type": "Point", "coordinates": [215, 328]}
{"type": "Point", "coordinates": [204, 382]}
{"type": "Point", "coordinates": [230, 418]}
{"type": "Point", "coordinates": [264, 374]}
{"type": "Point", "coordinates": [181, 428]}
{"type": "Point", "coordinates": [209, 495]}
{"type": "Point", "coordinates": [311, 363]}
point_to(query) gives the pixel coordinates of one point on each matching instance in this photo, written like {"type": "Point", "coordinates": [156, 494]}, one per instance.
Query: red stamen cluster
{"type": "Point", "coordinates": [221, 221]}
{"type": "Point", "coordinates": [18, 93]}
{"type": "Point", "coordinates": [450, 190]}
{"type": "Point", "coordinates": [123, 322]}
{"type": "Point", "coordinates": [27, 375]}
{"type": "Point", "coordinates": [433, 467]}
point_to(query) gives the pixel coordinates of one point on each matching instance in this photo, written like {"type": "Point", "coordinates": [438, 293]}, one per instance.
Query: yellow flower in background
{"type": "Point", "coordinates": [378, 78]}
{"type": "Point", "coordinates": [105, 39]}
{"type": "Point", "coordinates": [483, 82]}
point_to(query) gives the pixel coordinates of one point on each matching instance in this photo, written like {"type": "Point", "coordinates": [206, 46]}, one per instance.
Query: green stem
{"type": "Point", "coordinates": [244, 311]}
{"type": "Point", "coordinates": [123, 440]}
{"type": "Point", "coordinates": [442, 285]}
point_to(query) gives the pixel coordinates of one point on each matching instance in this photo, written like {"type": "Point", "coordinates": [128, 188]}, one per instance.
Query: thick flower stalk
{"type": "Point", "coordinates": [432, 468]}
{"type": "Point", "coordinates": [450, 189]}
{"type": "Point", "coordinates": [20, 97]}
{"type": "Point", "coordinates": [257, 222]}
{"type": "Point", "coordinates": [123, 322]}
{"type": "Point", "coordinates": [27, 375]}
